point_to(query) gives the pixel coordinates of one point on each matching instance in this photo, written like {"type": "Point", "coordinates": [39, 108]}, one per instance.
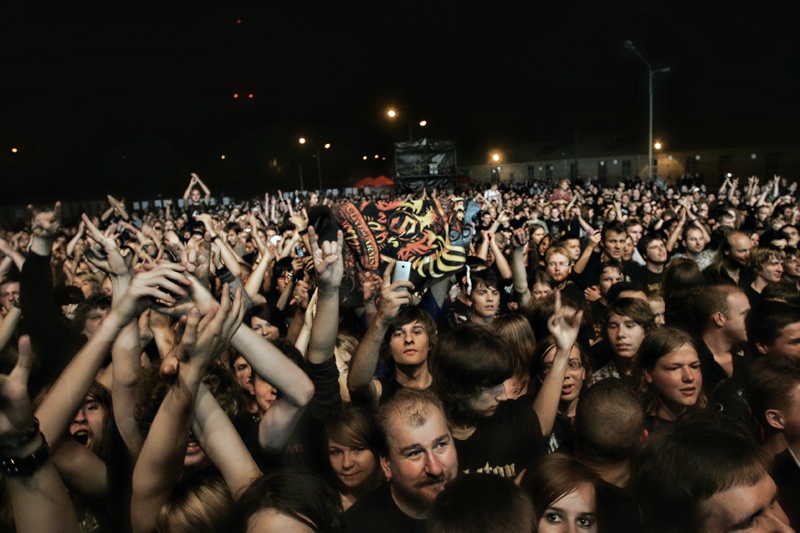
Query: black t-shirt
{"type": "Point", "coordinates": [504, 443]}
{"type": "Point", "coordinates": [377, 511]}
{"type": "Point", "coordinates": [649, 279]}
{"type": "Point", "coordinates": [786, 474]}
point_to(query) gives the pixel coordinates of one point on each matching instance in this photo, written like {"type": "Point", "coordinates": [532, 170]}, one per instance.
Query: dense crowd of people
{"type": "Point", "coordinates": [620, 358]}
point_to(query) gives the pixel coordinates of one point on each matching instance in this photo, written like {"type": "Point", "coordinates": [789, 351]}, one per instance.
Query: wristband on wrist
{"type": "Point", "coordinates": [303, 231]}
{"type": "Point", "coordinates": [28, 465]}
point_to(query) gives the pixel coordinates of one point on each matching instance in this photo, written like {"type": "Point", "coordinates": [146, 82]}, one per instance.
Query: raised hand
{"type": "Point", "coordinates": [564, 325]}
{"type": "Point", "coordinates": [204, 338]}
{"type": "Point", "coordinates": [520, 237]}
{"type": "Point", "coordinates": [16, 410]}
{"type": "Point", "coordinates": [328, 259]}
{"type": "Point", "coordinates": [111, 260]}
{"type": "Point", "coordinates": [45, 224]}
{"type": "Point", "coordinates": [370, 284]}
{"type": "Point", "coordinates": [161, 285]}
{"type": "Point", "coordinates": [392, 295]}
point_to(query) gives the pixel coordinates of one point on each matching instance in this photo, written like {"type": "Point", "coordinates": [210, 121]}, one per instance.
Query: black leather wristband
{"type": "Point", "coordinates": [28, 465]}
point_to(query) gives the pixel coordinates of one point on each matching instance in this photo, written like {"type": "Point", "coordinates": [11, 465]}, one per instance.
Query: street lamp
{"type": "Point", "coordinates": [628, 45]}
{"type": "Point", "coordinates": [326, 146]}
{"type": "Point", "coordinates": [393, 114]}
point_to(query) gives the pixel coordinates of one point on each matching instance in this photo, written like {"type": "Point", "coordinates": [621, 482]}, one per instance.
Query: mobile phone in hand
{"type": "Point", "coordinates": [402, 271]}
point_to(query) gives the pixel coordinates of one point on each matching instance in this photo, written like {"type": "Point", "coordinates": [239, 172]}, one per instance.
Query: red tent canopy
{"type": "Point", "coordinates": [383, 181]}
{"type": "Point", "coordinates": [380, 181]}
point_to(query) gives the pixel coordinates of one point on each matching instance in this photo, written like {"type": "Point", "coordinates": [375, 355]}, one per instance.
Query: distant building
{"type": "Point", "coordinates": [611, 162]}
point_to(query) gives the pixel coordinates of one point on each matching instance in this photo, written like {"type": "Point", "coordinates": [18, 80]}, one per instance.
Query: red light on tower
{"type": "Point", "coordinates": [250, 96]}
{"type": "Point", "coordinates": [238, 21]}
{"type": "Point", "coordinates": [236, 95]}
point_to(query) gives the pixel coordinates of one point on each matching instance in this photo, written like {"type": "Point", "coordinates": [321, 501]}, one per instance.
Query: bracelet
{"type": "Point", "coordinates": [303, 231]}
{"type": "Point", "coordinates": [26, 466]}
{"type": "Point", "coordinates": [23, 439]}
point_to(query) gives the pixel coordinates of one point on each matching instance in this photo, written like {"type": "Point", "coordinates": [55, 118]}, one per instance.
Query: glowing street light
{"type": "Point", "coordinates": [495, 157]}
{"type": "Point", "coordinates": [657, 145]}
{"type": "Point", "coordinates": [326, 146]}
{"type": "Point", "coordinates": [393, 114]}
{"type": "Point", "coordinates": [628, 45]}
{"type": "Point", "coordinates": [14, 150]}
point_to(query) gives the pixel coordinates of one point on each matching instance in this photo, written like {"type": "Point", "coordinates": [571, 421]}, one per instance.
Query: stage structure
{"type": "Point", "coordinates": [425, 163]}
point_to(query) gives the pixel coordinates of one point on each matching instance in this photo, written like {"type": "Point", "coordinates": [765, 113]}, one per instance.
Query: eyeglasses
{"type": "Point", "coordinates": [561, 264]}
{"type": "Point", "coordinates": [572, 364]}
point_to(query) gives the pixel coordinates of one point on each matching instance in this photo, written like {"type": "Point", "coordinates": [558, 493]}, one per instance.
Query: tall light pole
{"type": "Point", "coordinates": [628, 45]}
{"type": "Point", "coordinates": [303, 140]}
{"type": "Point", "coordinates": [392, 114]}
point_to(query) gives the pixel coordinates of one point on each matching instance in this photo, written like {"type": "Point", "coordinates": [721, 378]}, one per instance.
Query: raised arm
{"type": "Point", "coordinates": [206, 190]}
{"type": "Point", "coordinates": [221, 443]}
{"type": "Point", "coordinates": [676, 233]}
{"type": "Point", "coordinates": [365, 360]}
{"type": "Point", "coordinates": [586, 255]}
{"type": "Point", "coordinates": [229, 257]}
{"type": "Point", "coordinates": [518, 241]}
{"type": "Point", "coordinates": [8, 325]}
{"type": "Point", "coordinates": [12, 253]}
{"type": "Point", "coordinates": [38, 497]}
{"type": "Point", "coordinates": [56, 411]}
{"type": "Point", "coordinates": [161, 459]}
{"type": "Point", "coordinates": [563, 325]}
{"type": "Point", "coordinates": [329, 267]}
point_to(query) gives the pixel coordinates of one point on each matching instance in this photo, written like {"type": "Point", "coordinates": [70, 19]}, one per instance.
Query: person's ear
{"type": "Point", "coordinates": [775, 419]}
{"type": "Point", "coordinates": [385, 466]}
{"type": "Point", "coordinates": [761, 347]}
{"type": "Point", "coordinates": [647, 377]}
{"type": "Point", "coordinates": [718, 318]}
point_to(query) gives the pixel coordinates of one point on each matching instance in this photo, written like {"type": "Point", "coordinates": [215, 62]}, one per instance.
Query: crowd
{"type": "Point", "coordinates": [604, 359]}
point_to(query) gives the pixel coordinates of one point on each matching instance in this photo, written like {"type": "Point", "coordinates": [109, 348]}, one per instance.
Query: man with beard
{"type": "Point", "coordinates": [418, 458]}
{"type": "Point", "coordinates": [654, 252]}
{"type": "Point", "coordinates": [730, 264]}
{"type": "Point", "coordinates": [559, 265]}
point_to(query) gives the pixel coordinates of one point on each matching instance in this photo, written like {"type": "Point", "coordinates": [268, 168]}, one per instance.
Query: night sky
{"type": "Point", "coordinates": [128, 98]}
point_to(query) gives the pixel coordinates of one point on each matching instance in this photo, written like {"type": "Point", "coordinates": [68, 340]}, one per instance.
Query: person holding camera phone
{"type": "Point", "coordinates": [402, 332]}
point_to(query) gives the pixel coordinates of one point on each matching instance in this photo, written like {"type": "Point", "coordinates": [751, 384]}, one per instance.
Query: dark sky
{"type": "Point", "coordinates": [129, 97]}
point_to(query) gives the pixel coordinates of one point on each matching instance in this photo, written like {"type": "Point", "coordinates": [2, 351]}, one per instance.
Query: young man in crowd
{"type": "Point", "coordinates": [654, 251]}
{"type": "Point", "coordinates": [721, 314]}
{"type": "Point", "coordinates": [723, 483]}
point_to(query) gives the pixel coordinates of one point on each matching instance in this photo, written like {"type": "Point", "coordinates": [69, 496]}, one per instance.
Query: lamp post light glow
{"type": "Point", "coordinates": [628, 45]}
{"type": "Point", "coordinates": [303, 140]}
{"type": "Point", "coordinates": [495, 157]}
{"type": "Point", "coordinates": [657, 145]}
{"type": "Point", "coordinates": [393, 114]}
